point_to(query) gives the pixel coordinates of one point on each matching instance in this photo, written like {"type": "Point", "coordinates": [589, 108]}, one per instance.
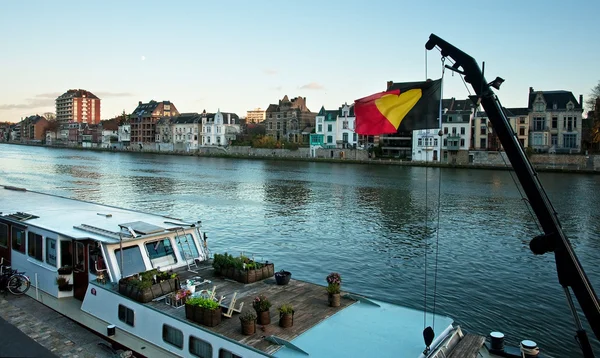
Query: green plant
{"type": "Point", "coordinates": [203, 302]}
{"type": "Point", "coordinates": [261, 303]}
{"type": "Point", "coordinates": [248, 316]}
{"type": "Point", "coordinates": [333, 289]}
{"type": "Point", "coordinates": [286, 308]}
{"type": "Point", "coordinates": [61, 281]}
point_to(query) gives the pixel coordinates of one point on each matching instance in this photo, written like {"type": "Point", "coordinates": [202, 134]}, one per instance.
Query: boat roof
{"type": "Point", "coordinates": [360, 327]}
{"type": "Point", "coordinates": [86, 220]}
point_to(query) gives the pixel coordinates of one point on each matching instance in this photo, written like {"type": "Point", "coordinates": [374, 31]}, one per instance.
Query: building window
{"type": "Point", "coordinates": [462, 142]}
{"type": "Point", "coordinates": [172, 336]}
{"type": "Point", "coordinates": [554, 139]}
{"type": "Point", "coordinates": [66, 253]}
{"type": "Point", "coordinates": [521, 130]}
{"type": "Point", "coordinates": [18, 239]}
{"type": "Point", "coordinates": [462, 130]}
{"type": "Point", "coordinates": [482, 121]}
{"type": "Point", "coordinates": [200, 348]}
{"type": "Point", "coordinates": [570, 141]}
{"type": "Point", "coordinates": [445, 142]}
{"type": "Point", "coordinates": [449, 118]}
{"type": "Point", "coordinates": [187, 246]}
{"type": "Point", "coordinates": [126, 315]}
{"type": "Point", "coordinates": [354, 137]}
{"type": "Point", "coordinates": [161, 253]}
{"type": "Point", "coordinates": [539, 123]}
{"type": "Point", "coordinates": [482, 143]}
{"type": "Point", "coordinates": [329, 139]}
{"type": "Point", "coordinates": [329, 128]}
{"type": "Point", "coordinates": [345, 125]}
{"type": "Point", "coordinates": [522, 120]}
{"type": "Point", "coordinates": [319, 128]}
{"type": "Point", "coordinates": [537, 139]}
{"type": "Point", "coordinates": [223, 353]}
{"type": "Point", "coordinates": [132, 260]}
{"type": "Point", "coordinates": [345, 137]}
{"type": "Point", "coordinates": [445, 130]}
{"type": "Point", "coordinates": [278, 125]}
{"type": "Point", "coordinates": [554, 122]}
{"type": "Point", "coordinates": [420, 142]}
{"type": "Point", "coordinates": [51, 251]}
{"type": "Point", "coordinates": [453, 130]}
{"type": "Point", "coordinates": [4, 235]}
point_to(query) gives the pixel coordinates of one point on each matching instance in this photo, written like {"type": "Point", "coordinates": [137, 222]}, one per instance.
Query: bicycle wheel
{"type": "Point", "coordinates": [18, 284]}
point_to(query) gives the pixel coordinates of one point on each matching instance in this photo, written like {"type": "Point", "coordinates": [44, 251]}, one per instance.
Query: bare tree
{"type": "Point", "coordinates": [590, 103]}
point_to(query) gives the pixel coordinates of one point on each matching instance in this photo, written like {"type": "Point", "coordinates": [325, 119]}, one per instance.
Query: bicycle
{"type": "Point", "coordinates": [16, 282]}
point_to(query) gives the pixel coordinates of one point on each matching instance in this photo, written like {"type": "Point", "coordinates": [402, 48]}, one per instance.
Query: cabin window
{"type": "Point", "coordinates": [187, 246]}
{"type": "Point", "coordinates": [34, 246]}
{"type": "Point", "coordinates": [51, 251]}
{"type": "Point", "coordinates": [172, 336]}
{"type": "Point", "coordinates": [66, 253]}
{"type": "Point", "coordinates": [18, 239]}
{"type": "Point", "coordinates": [126, 315]}
{"type": "Point", "coordinates": [224, 353]}
{"type": "Point", "coordinates": [200, 348]}
{"type": "Point", "coordinates": [4, 235]}
{"type": "Point", "coordinates": [161, 253]}
{"type": "Point", "coordinates": [132, 260]}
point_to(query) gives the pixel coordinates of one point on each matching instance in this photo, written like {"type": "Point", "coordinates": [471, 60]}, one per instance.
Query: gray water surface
{"type": "Point", "coordinates": [376, 225]}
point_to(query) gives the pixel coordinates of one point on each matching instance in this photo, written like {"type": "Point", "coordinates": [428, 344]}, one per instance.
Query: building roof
{"type": "Point", "coordinates": [186, 118]}
{"type": "Point", "coordinates": [34, 119]}
{"type": "Point", "coordinates": [560, 98]}
{"type": "Point", "coordinates": [514, 112]}
{"type": "Point", "coordinates": [77, 93]}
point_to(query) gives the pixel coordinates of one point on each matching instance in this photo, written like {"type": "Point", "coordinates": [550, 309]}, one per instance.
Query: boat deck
{"type": "Point", "coordinates": [309, 300]}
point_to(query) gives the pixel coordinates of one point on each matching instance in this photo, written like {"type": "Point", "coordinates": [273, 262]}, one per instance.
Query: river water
{"type": "Point", "coordinates": [376, 225]}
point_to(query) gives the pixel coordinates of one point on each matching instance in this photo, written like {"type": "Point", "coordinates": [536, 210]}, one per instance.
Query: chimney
{"type": "Point", "coordinates": [530, 89]}
{"type": "Point", "coordinates": [140, 103]}
{"type": "Point", "coordinates": [581, 100]}
{"type": "Point", "coordinates": [389, 84]}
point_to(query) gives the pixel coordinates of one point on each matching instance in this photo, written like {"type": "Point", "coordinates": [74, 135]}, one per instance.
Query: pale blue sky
{"type": "Point", "coordinates": [238, 55]}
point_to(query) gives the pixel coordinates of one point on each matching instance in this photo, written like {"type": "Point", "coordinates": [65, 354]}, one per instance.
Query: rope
{"type": "Point", "coordinates": [439, 208]}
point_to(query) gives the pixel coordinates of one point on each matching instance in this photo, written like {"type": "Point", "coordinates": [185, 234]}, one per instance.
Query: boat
{"type": "Point", "coordinates": [124, 273]}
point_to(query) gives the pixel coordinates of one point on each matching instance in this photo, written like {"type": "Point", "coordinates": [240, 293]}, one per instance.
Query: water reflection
{"type": "Point", "coordinates": [289, 196]}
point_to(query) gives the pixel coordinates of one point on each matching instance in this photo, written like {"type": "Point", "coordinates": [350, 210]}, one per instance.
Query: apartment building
{"type": "Point", "coordinates": [79, 106]}
{"type": "Point", "coordinates": [256, 115]}
{"type": "Point", "coordinates": [290, 120]}
{"type": "Point", "coordinates": [143, 120]}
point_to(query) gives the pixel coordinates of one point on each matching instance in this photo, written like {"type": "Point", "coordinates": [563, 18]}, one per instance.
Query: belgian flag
{"type": "Point", "coordinates": [403, 107]}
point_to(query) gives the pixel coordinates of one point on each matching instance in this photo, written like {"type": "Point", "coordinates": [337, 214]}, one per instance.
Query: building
{"type": "Point", "coordinates": [457, 116]}
{"type": "Point", "coordinates": [124, 133]}
{"type": "Point", "coordinates": [256, 115]}
{"type": "Point", "coordinates": [555, 121]}
{"type": "Point", "coordinates": [290, 120]}
{"type": "Point", "coordinates": [33, 128]}
{"type": "Point", "coordinates": [335, 128]}
{"type": "Point", "coordinates": [79, 106]}
{"type": "Point", "coordinates": [219, 128]}
{"type": "Point", "coordinates": [143, 120]}
{"type": "Point", "coordinates": [426, 145]}
{"type": "Point", "coordinates": [519, 121]}
{"type": "Point", "coordinates": [186, 131]}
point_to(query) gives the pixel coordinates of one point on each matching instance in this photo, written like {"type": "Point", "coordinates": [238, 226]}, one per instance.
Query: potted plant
{"type": "Point", "coordinates": [248, 320]}
{"type": "Point", "coordinates": [63, 284]}
{"type": "Point", "coordinates": [334, 283]}
{"type": "Point", "coordinates": [203, 310]}
{"type": "Point", "coordinates": [261, 305]}
{"type": "Point", "coordinates": [286, 315]}
{"type": "Point", "coordinates": [283, 277]}
{"type": "Point", "coordinates": [65, 270]}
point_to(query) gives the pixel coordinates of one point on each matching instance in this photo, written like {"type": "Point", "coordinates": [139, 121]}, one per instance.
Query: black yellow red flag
{"type": "Point", "coordinates": [404, 106]}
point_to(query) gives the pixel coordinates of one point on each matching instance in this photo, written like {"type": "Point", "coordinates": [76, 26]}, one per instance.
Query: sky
{"type": "Point", "coordinates": [240, 55]}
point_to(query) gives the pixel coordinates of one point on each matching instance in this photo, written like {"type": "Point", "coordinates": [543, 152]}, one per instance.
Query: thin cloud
{"type": "Point", "coordinates": [270, 71]}
{"type": "Point", "coordinates": [31, 103]}
{"type": "Point", "coordinates": [52, 95]}
{"type": "Point", "coordinates": [312, 86]}
{"type": "Point", "coordinates": [113, 94]}
{"type": "Point", "coordinates": [278, 88]}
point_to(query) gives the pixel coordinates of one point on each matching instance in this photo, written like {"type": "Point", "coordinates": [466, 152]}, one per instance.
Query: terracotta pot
{"type": "Point", "coordinates": [286, 320]}
{"type": "Point", "coordinates": [248, 327]}
{"type": "Point", "coordinates": [334, 300]}
{"type": "Point", "coordinates": [264, 317]}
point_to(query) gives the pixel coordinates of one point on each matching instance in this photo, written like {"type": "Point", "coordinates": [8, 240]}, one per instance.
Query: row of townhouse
{"type": "Point", "coordinates": [29, 129]}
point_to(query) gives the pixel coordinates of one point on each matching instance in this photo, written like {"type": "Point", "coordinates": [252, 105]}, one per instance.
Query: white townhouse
{"type": "Point", "coordinates": [185, 129]}
{"type": "Point", "coordinates": [426, 145]}
{"type": "Point", "coordinates": [335, 128]}
{"type": "Point", "coordinates": [219, 128]}
{"type": "Point", "coordinates": [124, 134]}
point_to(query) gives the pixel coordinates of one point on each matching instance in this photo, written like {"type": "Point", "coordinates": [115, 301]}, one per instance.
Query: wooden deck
{"type": "Point", "coordinates": [468, 347]}
{"type": "Point", "coordinates": [309, 301]}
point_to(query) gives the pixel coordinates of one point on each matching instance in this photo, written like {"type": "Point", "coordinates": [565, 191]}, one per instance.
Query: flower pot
{"type": "Point", "coordinates": [248, 327]}
{"type": "Point", "coordinates": [189, 311]}
{"type": "Point", "coordinates": [263, 317]}
{"type": "Point", "coordinates": [211, 317]}
{"type": "Point", "coordinates": [283, 277]}
{"type": "Point", "coordinates": [286, 320]}
{"type": "Point", "coordinates": [334, 300]}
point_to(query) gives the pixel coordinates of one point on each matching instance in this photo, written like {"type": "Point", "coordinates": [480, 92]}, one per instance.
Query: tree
{"type": "Point", "coordinates": [590, 103]}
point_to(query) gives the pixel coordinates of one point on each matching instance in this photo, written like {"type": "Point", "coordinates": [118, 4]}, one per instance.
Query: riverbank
{"type": "Point", "coordinates": [555, 163]}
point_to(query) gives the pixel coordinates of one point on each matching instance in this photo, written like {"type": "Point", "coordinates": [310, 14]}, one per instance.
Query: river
{"type": "Point", "coordinates": [380, 226]}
